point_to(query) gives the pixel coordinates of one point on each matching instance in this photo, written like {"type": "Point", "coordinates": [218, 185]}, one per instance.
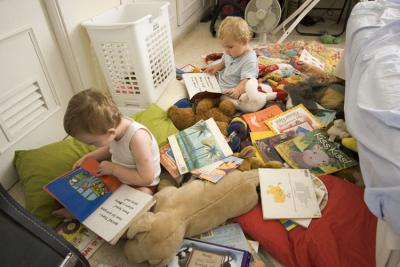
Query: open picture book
{"type": "Point", "coordinates": [103, 204]}
{"type": "Point", "coordinates": [201, 85]}
{"type": "Point", "coordinates": [199, 145]}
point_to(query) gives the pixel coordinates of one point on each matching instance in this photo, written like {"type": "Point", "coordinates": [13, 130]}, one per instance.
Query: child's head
{"type": "Point", "coordinates": [92, 117]}
{"type": "Point", "coordinates": [235, 35]}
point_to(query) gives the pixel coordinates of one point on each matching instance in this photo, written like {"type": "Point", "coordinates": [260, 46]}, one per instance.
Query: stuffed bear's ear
{"type": "Point", "coordinates": [142, 224]}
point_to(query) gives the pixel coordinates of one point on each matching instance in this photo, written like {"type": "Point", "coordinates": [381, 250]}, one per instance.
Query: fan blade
{"type": "Point", "coordinates": [269, 22]}
{"type": "Point", "coordinates": [264, 4]}
{"type": "Point", "coordinates": [252, 19]}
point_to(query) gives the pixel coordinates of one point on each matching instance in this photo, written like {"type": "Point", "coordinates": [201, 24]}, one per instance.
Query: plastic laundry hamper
{"type": "Point", "coordinates": [134, 47]}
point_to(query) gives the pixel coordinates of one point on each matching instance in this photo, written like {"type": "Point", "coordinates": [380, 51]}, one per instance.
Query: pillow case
{"type": "Point", "coordinates": [158, 123]}
{"type": "Point", "coordinates": [343, 236]}
{"type": "Point", "coordinates": [36, 167]}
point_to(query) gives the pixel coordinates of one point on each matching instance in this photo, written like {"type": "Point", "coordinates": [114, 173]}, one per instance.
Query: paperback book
{"type": "Point", "coordinates": [315, 152]}
{"type": "Point", "coordinates": [255, 120]}
{"type": "Point", "coordinates": [103, 204]}
{"type": "Point", "coordinates": [216, 171]}
{"type": "Point", "coordinates": [297, 119]}
{"type": "Point", "coordinates": [167, 160]}
{"type": "Point", "coordinates": [266, 146]}
{"type": "Point", "coordinates": [199, 145]}
{"type": "Point", "coordinates": [255, 136]}
{"type": "Point", "coordinates": [197, 253]}
{"type": "Point", "coordinates": [287, 193]}
{"type": "Point", "coordinates": [201, 85]}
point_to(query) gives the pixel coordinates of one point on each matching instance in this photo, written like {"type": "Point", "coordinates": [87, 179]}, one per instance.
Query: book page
{"type": "Point", "coordinates": [200, 82]}
{"type": "Point", "coordinates": [113, 217]}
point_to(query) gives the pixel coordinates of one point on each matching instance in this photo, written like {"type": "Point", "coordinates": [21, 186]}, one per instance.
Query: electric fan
{"type": "Point", "coordinates": [263, 16]}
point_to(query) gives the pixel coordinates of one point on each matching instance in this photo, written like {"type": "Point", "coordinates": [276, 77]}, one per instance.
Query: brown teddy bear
{"type": "Point", "coordinates": [221, 110]}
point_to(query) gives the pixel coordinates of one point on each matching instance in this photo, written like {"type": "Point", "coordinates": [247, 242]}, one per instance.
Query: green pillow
{"type": "Point", "coordinates": [36, 167]}
{"type": "Point", "coordinates": [157, 121]}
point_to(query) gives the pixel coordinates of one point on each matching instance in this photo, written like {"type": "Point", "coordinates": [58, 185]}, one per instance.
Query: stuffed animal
{"type": "Point", "coordinates": [222, 112]}
{"type": "Point", "coordinates": [196, 207]}
{"type": "Point", "coordinates": [252, 162]}
{"type": "Point", "coordinates": [338, 130]}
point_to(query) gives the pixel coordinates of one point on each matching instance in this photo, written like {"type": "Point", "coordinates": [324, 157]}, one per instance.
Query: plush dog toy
{"type": "Point", "coordinates": [196, 207]}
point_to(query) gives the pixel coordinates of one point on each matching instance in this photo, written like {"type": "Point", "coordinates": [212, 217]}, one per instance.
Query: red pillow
{"type": "Point", "coordinates": [343, 236]}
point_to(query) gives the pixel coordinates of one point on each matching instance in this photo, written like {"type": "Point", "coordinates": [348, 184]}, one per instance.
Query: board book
{"type": "Point", "coordinates": [103, 204]}
{"type": "Point", "coordinates": [199, 145]}
{"type": "Point", "coordinates": [287, 193]}
{"type": "Point", "coordinates": [298, 119]}
{"type": "Point", "coordinates": [197, 253]}
{"type": "Point", "coordinates": [255, 120]}
{"type": "Point", "coordinates": [201, 85]}
{"type": "Point", "coordinates": [315, 152]}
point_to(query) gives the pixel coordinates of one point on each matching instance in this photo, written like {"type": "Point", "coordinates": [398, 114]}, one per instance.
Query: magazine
{"type": "Point", "coordinates": [103, 204]}
{"type": "Point", "coordinates": [266, 146]}
{"type": "Point", "coordinates": [199, 145]}
{"type": "Point", "coordinates": [297, 119]}
{"type": "Point", "coordinates": [287, 193]}
{"type": "Point", "coordinates": [315, 152]}
{"type": "Point", "coordinates": [216, 171]}
{"type": "Point", "coordinates": [255, 120]}
{"type": "Point", "coordinates": [201, 85]}
{"type": "Point", "coordinates": [197, 253]}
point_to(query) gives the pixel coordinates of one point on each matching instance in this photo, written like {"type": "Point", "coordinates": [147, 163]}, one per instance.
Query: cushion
{"type": "Point", "coordinates": [36, 167]}
{"type": "Point", "coordinates": [343, 236]}
{"type": "Point", "coordinates": [158, 123]}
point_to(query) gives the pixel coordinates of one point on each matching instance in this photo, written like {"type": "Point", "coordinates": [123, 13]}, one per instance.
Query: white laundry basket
{"type": "Point", "coordinates": [134, 47]}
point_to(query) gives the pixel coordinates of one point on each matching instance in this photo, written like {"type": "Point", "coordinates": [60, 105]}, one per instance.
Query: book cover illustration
{"type": "Point", "coordinates": [255, 120]}
{"type": "Point", "coordinates": [201, 85]}
{"type": "Point", "coordinates": [216, 171]}
{"type": "Point", "coordinates": [297, 119]}
{"type": "Point", "coordinates": [325, 116]}
{"type": "Point", "coordinates": [254, 136]}
{"type": "Point", "coordinates": [315, 152]}
{"type": "Point", "coordinates": [167, 160]}
{"type": "Point", "coordinates": [287, 193]}
{"type": "Point", "coordinates": [199, 145]}
{"type": "Point", "coordinates": [197, 253]}
{"type": "Point", "coordinates": [266, 146]}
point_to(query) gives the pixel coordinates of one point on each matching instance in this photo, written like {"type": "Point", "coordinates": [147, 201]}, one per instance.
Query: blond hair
{"type": "Point", "coordinates": [92, 112]}
{"type": "Point", "coordinates": [235, 28]}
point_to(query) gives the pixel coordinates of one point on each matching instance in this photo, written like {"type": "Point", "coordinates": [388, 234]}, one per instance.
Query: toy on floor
{"type": "Point", "coordinates": [222, 112]}
{"type": "Point", "coordinates": [337, 130]}
{"type": "Point", "coordinates": [196, 207]}
{"type": "Point", "coordinates": [237, 131]}
{"type": "Point", "coordinates": [350, 143]}
{"type": "Point", "coordinates": [329, 39]}
{"type": "Point", "coordinates": [252, 162]}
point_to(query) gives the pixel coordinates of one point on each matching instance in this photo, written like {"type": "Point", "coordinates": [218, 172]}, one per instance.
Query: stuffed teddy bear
{"type": "Point", "coordinates": [221, 110]}
{"type": "Point", "coordinates": [338, 130]}
{"type": "Point", "coordinates": [196, 207]}
{"type": "Point", "coordinates": [252, 162]}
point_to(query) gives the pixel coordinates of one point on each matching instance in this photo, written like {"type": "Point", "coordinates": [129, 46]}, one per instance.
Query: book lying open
{"type": "Point", "coordinates": [201, 85]}
{"type": "Point", "coordinates": [199, 145]}
{"type": "Point", "coordinates": [103, 204]}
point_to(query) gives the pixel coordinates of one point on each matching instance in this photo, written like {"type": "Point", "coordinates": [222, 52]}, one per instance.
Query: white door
{"type": "Point", "coordinates": [34, 85]}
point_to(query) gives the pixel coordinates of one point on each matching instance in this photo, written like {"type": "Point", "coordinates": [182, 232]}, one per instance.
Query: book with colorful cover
{"type": "Point", "coordinates": [266, 146]}
{"type": "Point", "coordinates": [315, 152]}
{"type": "Point", "coordinates": [101, 203]}
{"type": "Point", "coordinates": [217, 170]}
{"type": "Point", "coordinates": [325, 116]}
{"type": "Point", "coordinates": [254, 136]}
{"type": "Point", "coordinates": [287, 193]}
{"type": "Point", "coordinates": [198, 253]}
{"type": "Point", "coordinates": [255, 120]}
{"type": "Point", "coordinates": [298, 119]}
{"type": "Point", "coordinates": [199, 145]}
{"type": "Point", "coordinates": [167, 160]}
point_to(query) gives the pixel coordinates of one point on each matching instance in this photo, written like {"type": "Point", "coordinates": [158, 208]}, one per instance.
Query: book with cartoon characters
{"type": "Point", "coordinates": [101, 203]}
{"type": "Point", "coordinates": [288, 193]}
{"type": "Point", "coordinates": [315, 152]}
{"type": "Point", "coordinates": [255, 120]}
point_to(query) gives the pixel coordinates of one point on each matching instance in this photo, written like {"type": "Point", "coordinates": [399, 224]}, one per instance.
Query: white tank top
{"type": "Point", "coordinates": [121, 153]}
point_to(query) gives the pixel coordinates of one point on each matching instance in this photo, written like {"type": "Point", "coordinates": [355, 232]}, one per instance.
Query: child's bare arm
{"type": "Point", "coordinates": [238, 90]}
{"type": "Point", "coordinates": [143, 175]}
{"type": "Point", "coordinates": [99, 154]}
{"type": "Point", "coordinates": [215, 68]}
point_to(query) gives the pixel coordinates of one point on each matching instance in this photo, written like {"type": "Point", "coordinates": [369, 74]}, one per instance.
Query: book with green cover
{"type": "Point", "coordinates": [315, 152]}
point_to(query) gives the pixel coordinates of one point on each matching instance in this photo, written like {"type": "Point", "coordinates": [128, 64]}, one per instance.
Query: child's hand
{"type": "Point", "coordinates": [212, 69]}
{"type": "Point", "coordinates": [79, 162]}
{"type": "Point", "coordinates": [105, 167]}
{"type": "Point", "coordinates": [234, 93]}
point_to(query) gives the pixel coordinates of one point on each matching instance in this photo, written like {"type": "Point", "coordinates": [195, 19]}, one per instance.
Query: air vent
{"type": "Point", "coordinates": [21, 108]}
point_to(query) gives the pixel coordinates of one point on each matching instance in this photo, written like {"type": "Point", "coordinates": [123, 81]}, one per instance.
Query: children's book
{"type": "Point", "coordinates": [199, 145]}
{"type": "Point", "coordinates": [80, 237]}
{"type": "Point", "coordinates": [101, 203]}
{"type": "Point", "coordinates": [315, 152]}
{"type": "Point", "coordinates": [230, 235]}
{"type": "Point", "coordinates": [325, 116]}
{"type": "Point", "coordinates": [254, 136]}
{"type": "Point", "coordinates": [255, 120]}
{"type": "Point", "coordinates": [198, 253]}
{"type": "Point", "coordinates": [167, 160]}
{"type": "Point", "coordinates": [216, 171]}
{"type": "Point", "coordinates": [298, 119]}
{"type": "Point", "coordinates": [287, 193]}
{"type": "Point", "coordinates": [266, 146]}
{"type": "Point", "coordinates": [201, 85]}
